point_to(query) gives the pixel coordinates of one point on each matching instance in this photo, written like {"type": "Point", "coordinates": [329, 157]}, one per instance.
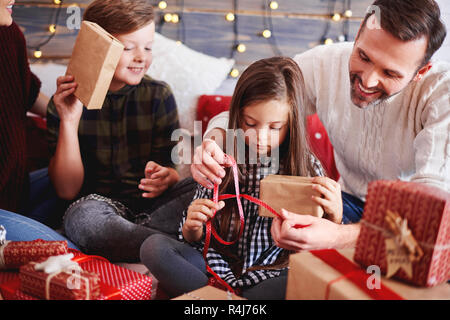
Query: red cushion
{"type": "Point", "coordinates": [211, 105]}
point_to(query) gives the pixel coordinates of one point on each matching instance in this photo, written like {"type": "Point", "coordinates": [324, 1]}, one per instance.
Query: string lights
{"type": "Point", "coordinates": [174, 15]}
{"type": "Point", "coordinates": [37, 52]}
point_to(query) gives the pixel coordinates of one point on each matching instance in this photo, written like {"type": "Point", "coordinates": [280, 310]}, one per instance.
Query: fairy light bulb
{"type": "Point", "coordinates": [168, 17]}
{"type": "Point", "coordinates": [336, 17]}
{"type": "Point", "coordinates": [57, 1]}
{"type": "Point", "coordinates": [175, 18]}
{"type": "Point", "coordinates": [267, 33]}
{"type": "Point", "coordinates": [328, 41]}
{"type": "Point", "coordinates": [241, 48]}
{"type": "Point", "coordinates": [234, 73]}
{"type": "Point", "coordinates": [37, 53]}
{"type": "Point", "coordinates": [162, 5]}
{"type": "Point", "coordinates": [229, 17]}
{"type": "Point", "coordinates": [348, 13]}
{"type": "Point", "coordinates": [52, 28]}
{"type": "Point", "coordinates": [273, 5]}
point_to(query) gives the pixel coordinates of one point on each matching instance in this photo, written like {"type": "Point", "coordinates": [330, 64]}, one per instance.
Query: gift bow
{"type": "Point", "coordinates": [63, 263]}
{"type": "Point", "coordinates": [401, 248]}
{"type": "Point", "coordinates": [403, 235]}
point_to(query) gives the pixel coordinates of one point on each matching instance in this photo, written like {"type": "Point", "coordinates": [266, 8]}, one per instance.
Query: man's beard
{"type": "Point", "coordinates": [354, 79]}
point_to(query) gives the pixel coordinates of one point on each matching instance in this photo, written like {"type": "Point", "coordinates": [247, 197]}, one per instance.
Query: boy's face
{"type": "Point", "coordinates": [5, 12]}
{"type": "Point", "coordinates": [136, 58]}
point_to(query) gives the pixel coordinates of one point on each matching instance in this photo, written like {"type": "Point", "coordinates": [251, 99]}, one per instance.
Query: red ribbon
{"type": "Point", "coordinates": [353, 273]}
{"type": "Point", "coordinates": [217, 281]}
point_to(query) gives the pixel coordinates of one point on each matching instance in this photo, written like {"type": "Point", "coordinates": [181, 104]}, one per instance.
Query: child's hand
{"type": "Point", "coordinates": [157, 180]}
{"type": "Point", "coordinates": [67, 105]}
{"type": "Point", "coordinates": [200, 211]}
{"type": "Point", "coordinates": [332, 197]}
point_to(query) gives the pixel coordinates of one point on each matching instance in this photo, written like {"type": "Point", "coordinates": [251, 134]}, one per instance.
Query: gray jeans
{"type": "Point", "coordinates": [101, 226]}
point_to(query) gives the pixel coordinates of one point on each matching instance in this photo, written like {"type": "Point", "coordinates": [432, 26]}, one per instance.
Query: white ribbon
{"type": "Point", "coordinates": [57, 264]}
{"type": "Point", "coordinates": [2, 258]}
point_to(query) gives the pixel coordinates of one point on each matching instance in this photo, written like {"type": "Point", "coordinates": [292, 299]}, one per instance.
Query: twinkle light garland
{"type": "Point", "coordinates": [168, 15]}
{"type": "Point", "coordinates": [51, 29]}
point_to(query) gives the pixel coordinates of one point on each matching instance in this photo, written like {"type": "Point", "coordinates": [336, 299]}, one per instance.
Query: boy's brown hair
{"type": "Point", "coordinates": [120, 16]}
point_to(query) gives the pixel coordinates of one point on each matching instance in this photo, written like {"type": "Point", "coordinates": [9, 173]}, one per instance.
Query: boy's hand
{"type": "Point", "coordinates": [67, 105]}
{"type": "Point", "coordinates": [200, 211]}
{"type": "Point", "coordinates": [332, 197]}
{"type": "Point", "coordinates": [157, 180]}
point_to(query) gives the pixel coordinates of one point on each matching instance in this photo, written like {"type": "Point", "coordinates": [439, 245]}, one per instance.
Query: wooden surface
{"type": "Point", "coordinates": [297, 26]}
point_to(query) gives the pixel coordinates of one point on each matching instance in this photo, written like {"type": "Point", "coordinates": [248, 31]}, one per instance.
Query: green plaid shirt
{"type": "Point", "coordinates": [133, 127]}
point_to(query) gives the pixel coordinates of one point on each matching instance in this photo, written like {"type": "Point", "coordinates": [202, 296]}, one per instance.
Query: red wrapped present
{"type": "Point", "coordinates": [115, 282]}
{"type": "Point", "coordinates": [59, 278]}
{"type": "Point", "coordinates": [14, 254]}
{"type": "Point", "coordinates": [405, 231]}
{"type": "Point", "coordinates": [132, 285]}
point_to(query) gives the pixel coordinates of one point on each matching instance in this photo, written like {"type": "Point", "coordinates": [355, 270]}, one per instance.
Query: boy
{"type": "Point", "coordinates": [103, 155]}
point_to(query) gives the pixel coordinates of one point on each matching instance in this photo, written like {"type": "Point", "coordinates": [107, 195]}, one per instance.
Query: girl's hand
{"type": "Point", "coordinates": [67, 105]}
{"type": "Point", "coordinates": [157, 180]}
{"type": "Point", "coordinates": [200, 211]}
{"type": "Point", "coordinates": [332, 197]}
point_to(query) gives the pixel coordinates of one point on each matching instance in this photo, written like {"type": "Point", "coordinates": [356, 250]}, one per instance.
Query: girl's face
{"type": "Point", "coordinates": [136, 58]}
{"type": "Point", "coordinates": [5, 12]}
{"type": "Point", "coordinates": [265, 124]}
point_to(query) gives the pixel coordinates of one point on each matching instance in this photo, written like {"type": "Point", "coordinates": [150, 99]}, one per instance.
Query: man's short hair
{"type": "Point", "coordinates": [409, 20]}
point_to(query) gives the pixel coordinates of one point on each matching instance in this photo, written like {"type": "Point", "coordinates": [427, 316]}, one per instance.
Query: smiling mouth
{"type": "Point", "coordinates": [136, 69]}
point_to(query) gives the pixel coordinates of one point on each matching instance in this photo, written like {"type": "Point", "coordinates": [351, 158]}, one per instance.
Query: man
{"type": "Point", "coordinates": [385, 106]}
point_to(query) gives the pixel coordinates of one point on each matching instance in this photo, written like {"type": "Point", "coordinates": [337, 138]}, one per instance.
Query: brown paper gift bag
{"type": "Point", "coordinates": [289, 192]}
{"type": "Point", "coordinates": [94, 60]}
{"type": "Point", "coordinates": [309, 277]}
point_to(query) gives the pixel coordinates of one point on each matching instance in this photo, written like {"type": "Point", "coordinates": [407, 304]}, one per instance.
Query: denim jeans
{"type": "Point", "coordinates": [44, 205]}
{"type": "Point", "coordinates": [353, 208]}
{"type": "Point", "coordinates": [98, 227]}
{"type": "Point", "coordinates": [21, 228]}
{"type": "Point", "coordinates": [180, 268]}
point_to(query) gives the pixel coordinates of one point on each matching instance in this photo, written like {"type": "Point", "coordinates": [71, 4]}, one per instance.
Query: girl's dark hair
{"type": "Point", "coordinates": [409, 20]}
{"type": "Point", "coordinates": [277, 78]}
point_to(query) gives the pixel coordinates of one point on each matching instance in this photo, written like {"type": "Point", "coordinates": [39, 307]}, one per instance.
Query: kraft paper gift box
{"type": "Point", "coordinates": [311, 278]}
{"type": "Point", "coordinates": [93, 63]}
{"type": "Point", "coordinates": [292, 193]}
{"type": "Point", "coordinates": [14, 254]}
{"type": "Point", "coordinates": [209, 293]}
{"type": "Point", "coordinates": [405, 230]}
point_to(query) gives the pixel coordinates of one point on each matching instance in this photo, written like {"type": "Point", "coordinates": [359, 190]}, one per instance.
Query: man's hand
{"type": "Point", "coordinates": [320, 234]}
{"type": "Point", "coordinates": [208, 161]}
{"type": "Point", "coordinates": [157, 179]}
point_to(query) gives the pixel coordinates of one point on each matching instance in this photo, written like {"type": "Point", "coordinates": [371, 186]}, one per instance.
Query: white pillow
{"type": "Point", "coordinates": [189, 74]}
{"type": "Point", "coordinates": [48, 73]}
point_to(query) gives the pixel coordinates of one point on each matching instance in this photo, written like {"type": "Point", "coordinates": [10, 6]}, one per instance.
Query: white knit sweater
{"type": "Point", "coordinates": [406, 137]}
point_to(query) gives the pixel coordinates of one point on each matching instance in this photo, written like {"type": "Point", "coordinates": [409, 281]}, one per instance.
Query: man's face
{"type": "Point", "coordinates": [382, 65]}
{"type": "Point", "coordinates": [5, 12]}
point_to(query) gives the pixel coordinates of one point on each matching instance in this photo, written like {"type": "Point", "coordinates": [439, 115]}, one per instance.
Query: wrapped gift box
{"type": "Point", "coordinates": [61, 285]}
{"type": "Point", "coordinates": [14, 254]}
{"type": "Point", "coordinates": [115, 282]}
{"type": "Point", "coordinates": [406, 231]}
{"type": "Point", "coordinates": [289, 192]}
{"type": "Point", "coordinates": [317, 277]}
{"type": "Point", "coordinates": [132, 285]}
{"type": "Point", "coordinates": [209, 293]}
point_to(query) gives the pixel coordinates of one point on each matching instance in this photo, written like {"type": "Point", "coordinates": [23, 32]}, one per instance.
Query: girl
{"type": "Point", "coordinates": [267, 101]}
